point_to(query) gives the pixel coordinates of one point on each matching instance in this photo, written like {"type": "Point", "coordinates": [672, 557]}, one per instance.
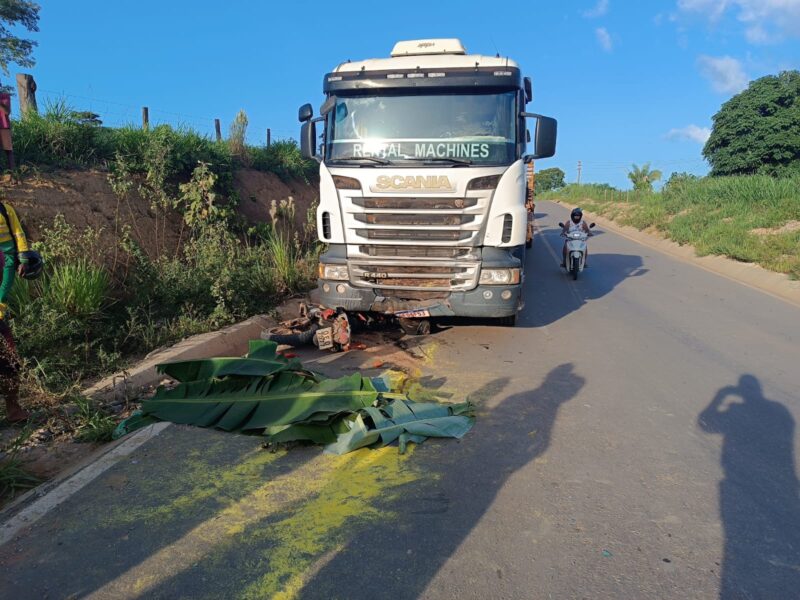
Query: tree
{"type": "Point", "coordinates": [12, 48]}
{"type": "Point", "coordinates": [758, 130]}
{"type": "Point", "coordinates": [643, 178]}
{"type": "Point", "coordinates": [549, 179]}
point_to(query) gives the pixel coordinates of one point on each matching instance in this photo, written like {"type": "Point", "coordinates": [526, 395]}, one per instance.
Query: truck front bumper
{"type": "Point", "coordinates": [485, 301]}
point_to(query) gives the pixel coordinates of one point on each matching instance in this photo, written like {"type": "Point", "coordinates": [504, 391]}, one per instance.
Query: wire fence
{"type": "Point", "coordinates": [118, 114]}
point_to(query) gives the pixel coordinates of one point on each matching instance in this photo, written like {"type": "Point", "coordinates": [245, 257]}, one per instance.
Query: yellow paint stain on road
{"type": "Point", "coordinates": [309, 532]}
{"type": "Point", "coordinates": [320, 498]}
{"type": "Point", "coordinates": [196, 483]}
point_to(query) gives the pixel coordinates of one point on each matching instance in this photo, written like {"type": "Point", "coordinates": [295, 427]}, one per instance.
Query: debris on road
{"type": "Point", "coordinates": [328, 329]}
{"type": "Point", "coordinates": [269, 394]}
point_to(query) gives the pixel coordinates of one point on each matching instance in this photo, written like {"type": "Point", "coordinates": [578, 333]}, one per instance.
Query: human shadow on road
{"type": "Point", "coordinates": [550, 294]}
{"type": "Point", "coordinates": [758, 497]}
{"type": "Point", "coordinates": [399, 557]}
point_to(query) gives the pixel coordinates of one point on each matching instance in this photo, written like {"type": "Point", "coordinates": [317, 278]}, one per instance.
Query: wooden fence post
{"type": "Point", "coordinates": [26, 90]}
{"type": "Point", "coordinates": [218, 130]}
{"type": "Point", "coordinates": [269, 137]}
{"type": "Point", "coordinates": [145, 118]}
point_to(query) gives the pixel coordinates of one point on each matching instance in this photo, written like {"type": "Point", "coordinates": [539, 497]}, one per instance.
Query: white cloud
{"type": "Point", "coordinates": [724, 72]}
{"type": "Point", "coordinates": [691, 133]}
{"type": "Point", "coordinates": [765, 21]}
{"type": "Point", "coordinates": [604, 39]}
{"type": "Point", "coordinates": [600, 9]}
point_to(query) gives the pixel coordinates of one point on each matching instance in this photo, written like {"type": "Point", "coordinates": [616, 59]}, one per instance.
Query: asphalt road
{"type": "Point", "coordinates": [635, 440]}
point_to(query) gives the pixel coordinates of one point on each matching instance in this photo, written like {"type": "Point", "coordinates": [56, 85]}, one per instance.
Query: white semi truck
{"type": "Point", "coordinates": [423, 183]}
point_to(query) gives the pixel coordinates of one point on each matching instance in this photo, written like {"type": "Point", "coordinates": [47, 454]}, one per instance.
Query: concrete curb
{"type": "Point", "coordinates": [754, 276]}
{"type": "Point", "coordinates": [230, 341]}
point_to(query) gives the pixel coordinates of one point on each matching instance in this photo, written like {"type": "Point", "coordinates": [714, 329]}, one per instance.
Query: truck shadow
{"type": "Point", "coordinates": [400, 557]}
{"type": "Point", "coordinates": [550, 293]}
{"type": "Point", "coordinates": [758, 497]}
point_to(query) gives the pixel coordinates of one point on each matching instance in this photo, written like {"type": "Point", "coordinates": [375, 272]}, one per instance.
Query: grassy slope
{"type": "Point", "coordinates": [84, 318]}
{"type": "Point", "coordinates": [715, 215]}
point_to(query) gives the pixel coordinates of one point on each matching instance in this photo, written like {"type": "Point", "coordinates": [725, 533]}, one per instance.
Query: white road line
{"type": "Point", "coordinates": [32, 513]}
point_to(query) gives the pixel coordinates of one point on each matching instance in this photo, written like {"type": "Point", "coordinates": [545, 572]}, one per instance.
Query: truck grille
{"type": "Point", "coordinates": [416, 203]}
{"type": "Point", "coordinates": [414, 234]}
{"type": "Point", "coordinates": [426, 275]}
{"type": "Point", "coordinates": [418, 252]}
{"type": "Point", "coordinates": [410, 220]}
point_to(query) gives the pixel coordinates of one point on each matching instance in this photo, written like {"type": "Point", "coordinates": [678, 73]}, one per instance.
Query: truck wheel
{"type": "Point", "coordinates": [415, 326]}
{"type": "Point", "coordinates": [510, 321]}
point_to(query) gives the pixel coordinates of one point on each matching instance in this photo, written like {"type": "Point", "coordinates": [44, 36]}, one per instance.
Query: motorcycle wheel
{"type": "Point", "coordinates": [575, 267]}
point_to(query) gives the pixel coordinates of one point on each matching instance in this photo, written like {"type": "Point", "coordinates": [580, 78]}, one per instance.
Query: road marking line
{"type": "Point", "coordinates": [32, 513]}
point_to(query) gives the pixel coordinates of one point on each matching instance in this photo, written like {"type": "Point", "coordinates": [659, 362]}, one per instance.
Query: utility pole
{"type": "Point", "coordinates": [580, 166]}
{"type": "Point", "coordinates": [145, 118]}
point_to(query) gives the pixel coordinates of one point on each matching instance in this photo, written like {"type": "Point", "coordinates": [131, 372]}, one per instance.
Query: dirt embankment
{"type": "Point", "coordinates": [86, 199]}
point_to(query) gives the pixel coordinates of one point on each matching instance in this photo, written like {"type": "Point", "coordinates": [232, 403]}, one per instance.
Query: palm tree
{"type": "Point", "coordinates": [643, 178]}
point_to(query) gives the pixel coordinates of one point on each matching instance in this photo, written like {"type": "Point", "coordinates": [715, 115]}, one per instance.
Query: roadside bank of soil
{"type": "Point", "coordinates": [86, 200]}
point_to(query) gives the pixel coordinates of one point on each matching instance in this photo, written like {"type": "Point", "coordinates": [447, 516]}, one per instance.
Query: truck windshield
{"type": "Point", "coordinates": [468, 128]}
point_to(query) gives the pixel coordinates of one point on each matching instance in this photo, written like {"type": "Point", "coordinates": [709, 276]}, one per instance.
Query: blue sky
{"type": "Point", "coordinates": [628, 81]}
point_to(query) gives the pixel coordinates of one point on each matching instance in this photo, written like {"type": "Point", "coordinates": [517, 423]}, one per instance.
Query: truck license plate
{"type": "Point", "coordinates": [413, 314]}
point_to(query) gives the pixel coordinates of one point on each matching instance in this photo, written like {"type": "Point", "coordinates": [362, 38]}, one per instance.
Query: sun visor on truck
{"type": "Point", "coordinates": [473, 77]}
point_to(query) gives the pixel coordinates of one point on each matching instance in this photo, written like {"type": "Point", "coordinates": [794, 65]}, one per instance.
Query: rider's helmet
{"type": "Point", "coordinates": [576, 215]}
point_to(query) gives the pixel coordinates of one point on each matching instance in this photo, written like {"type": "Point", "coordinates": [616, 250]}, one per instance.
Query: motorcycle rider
{"type": "Point", "coordinates": [575, 223]}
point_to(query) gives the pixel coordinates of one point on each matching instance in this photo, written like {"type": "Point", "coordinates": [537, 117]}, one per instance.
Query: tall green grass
{"type": "Point", "coordinates": [82, 320]}
{"type": "Point", "coordinates": [60, 137]}
{"type": "Point", "coordinates": [716, 215]}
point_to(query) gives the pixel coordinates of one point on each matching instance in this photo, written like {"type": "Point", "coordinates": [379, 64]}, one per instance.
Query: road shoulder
{"type": "Point", "coordinates": [754, 276]}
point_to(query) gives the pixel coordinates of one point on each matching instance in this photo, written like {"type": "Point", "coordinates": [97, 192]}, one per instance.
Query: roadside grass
{"type": "Point", "coordinates": [89, 315]}
{"type": "Point", "coordinates": [83, 319]}
{"type": "Point", "coordinates": [13, 476]}
{"type": "Point", "coordinates": [62, 137]}
{"type": "Point", "coordinates": [92, 423]}
{"type": "Point", "coordinates": [716, 215]}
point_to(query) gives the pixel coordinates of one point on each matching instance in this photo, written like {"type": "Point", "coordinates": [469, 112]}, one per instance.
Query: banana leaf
{"type": "Point", "coordinates": [403, 421]}
{"type": "Point", "coordinates": [282, 399]}
{"type": "Point", "coordinates": [264, 392]}
{"type": "Point", "coordinates": [261, 361]}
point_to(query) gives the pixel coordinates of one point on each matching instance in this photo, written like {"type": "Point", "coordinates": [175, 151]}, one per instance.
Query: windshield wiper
{"type": "Point", "coordinates": [454, 161]}
{"type": "Point", "coordinates": [380, 161]}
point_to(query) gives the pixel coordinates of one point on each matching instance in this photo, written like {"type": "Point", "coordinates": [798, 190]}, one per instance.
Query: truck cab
{"type": "Point", "coordinates": [423, 182]}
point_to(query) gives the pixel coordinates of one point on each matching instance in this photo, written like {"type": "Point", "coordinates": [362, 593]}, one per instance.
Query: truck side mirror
{"type": "Point", "coordinates": [305, 113]}
{"type": "Point", "coordinates": [545, 137]}
{"type": "Point", "coordinates": [308, 139]}
{"type": "Point", "coordinates": [528, 89]}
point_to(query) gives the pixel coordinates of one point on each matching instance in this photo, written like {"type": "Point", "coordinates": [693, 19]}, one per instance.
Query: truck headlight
{"type": "Point", "coordinates": [334, 272]}
{"type": "Point", "coordinates": [499, 277]}
{"type": "Point", "coordinates": [484, 183]}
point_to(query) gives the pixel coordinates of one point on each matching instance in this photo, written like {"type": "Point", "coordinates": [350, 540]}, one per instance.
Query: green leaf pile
{"type": "Point", "coordinates": [265, 393]}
